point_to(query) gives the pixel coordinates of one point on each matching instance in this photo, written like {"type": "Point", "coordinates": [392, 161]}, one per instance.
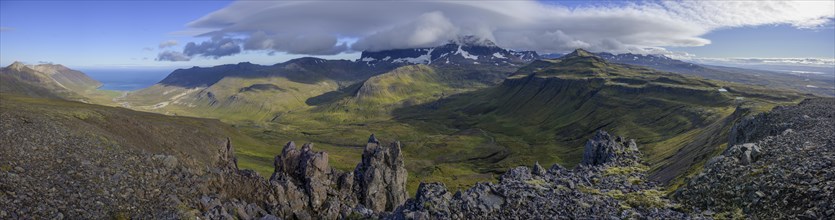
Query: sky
{"type": "Point", "coordinates": [176, 34]}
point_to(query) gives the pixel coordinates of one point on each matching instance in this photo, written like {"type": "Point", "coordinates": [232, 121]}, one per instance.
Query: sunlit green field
{"type": "Point", "coordinates": [477, 131]}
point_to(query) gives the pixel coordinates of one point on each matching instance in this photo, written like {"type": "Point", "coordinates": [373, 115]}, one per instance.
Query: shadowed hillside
{"type": "Point", "coordinates": [551, 105]}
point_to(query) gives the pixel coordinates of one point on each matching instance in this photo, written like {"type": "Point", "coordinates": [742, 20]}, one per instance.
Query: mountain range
{"type": "Point", "coordinates": [818, 85]}
{"type": "Point", "coordinates": [484, 110]}
{"type": "Point", "coordinates": [467, 51]}
{"type": "Point", "coordinates": [459, 113]}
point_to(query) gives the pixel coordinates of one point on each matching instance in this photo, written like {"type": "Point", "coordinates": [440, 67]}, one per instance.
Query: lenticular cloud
{"type": "Point", "coordinates": [321, 27]}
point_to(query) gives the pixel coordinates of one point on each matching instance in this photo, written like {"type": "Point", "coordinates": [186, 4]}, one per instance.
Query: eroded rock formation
{"type": "Point", "coordinates": [304, 186]}
{"type": "Point", "coordinates": [381, 177]}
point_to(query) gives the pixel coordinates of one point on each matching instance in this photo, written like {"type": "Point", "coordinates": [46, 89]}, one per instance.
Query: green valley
{"type": "Point", "coordinates": [460, 124]}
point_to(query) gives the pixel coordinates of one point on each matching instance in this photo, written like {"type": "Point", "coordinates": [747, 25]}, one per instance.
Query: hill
{"type": "Point", "coordinates": [52, 81]}
{"type": "Point", "coordinates": [72, 79]}
{"type": "Point", "coordinates": [248, 91]}
{"type": "Point", "coordinates": [74, 160]}
{"type": "Point", "coordinates": [822, 86]}
{"type": "Point", "coordinates": [239, 92]}
{"type": "Point", "coordinates": [779, 164]}
{"type": "Point", "coordinates": [548, 106]}
{"type": "Point", "coordinates": [480, 123]}
{"type": "Point", "coordinates": [21, 79]}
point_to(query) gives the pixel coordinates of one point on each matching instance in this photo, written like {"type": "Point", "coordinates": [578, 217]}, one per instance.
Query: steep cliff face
{"type": "Point", "coordinates": [779, 164]}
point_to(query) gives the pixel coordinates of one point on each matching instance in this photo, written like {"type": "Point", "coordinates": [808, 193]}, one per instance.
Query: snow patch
{"type": "Point", "coordinates": [499, 55]}
{"type": "Point", "coordinates": [422, 59]}
{"type": "Point", "coordinates": [414, 60]}
{"type": "Point", "coordinates": [723, 90]}
{"type": "Point", "coordinates": [465, 54]}
{"type": "Point", "coordinates": [811, 86]}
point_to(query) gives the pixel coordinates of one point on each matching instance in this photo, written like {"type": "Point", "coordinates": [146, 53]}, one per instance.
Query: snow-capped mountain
{"type": "Point", "coordinates": [465, 51]}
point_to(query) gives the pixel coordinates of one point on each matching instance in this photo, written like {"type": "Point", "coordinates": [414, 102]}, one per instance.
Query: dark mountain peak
{"type": "Point", "coordinates": [579, 53]}
{"type": "Point", "coordinates": [467, 50]}
{"type": "Point", "coordinates": [307, 60]}
{"type": "Point", "coordinates": [582, 59]}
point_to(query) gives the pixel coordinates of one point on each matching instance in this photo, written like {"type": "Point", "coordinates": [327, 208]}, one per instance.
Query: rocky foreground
{"type": "Point", "coordinates": [779, 165]}
{"type": "Point", "coordinates": [610, 183]}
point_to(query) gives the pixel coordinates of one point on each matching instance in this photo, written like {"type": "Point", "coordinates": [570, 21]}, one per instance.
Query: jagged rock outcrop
{"type": "Point", "coordinates": [302, 183]}
{"type": "Point", "coordinates": [746, 153]}
{"type": "Point", "coordinates": [612, 184]}
{"type": "Point", "coordinates": [304, 186]}
{"type": "Point", "coordinates": [603, 148]}
{"type": "Point", "coordinates": [781, 165]}
{"type": "Point", "coordinates": [381, 176]}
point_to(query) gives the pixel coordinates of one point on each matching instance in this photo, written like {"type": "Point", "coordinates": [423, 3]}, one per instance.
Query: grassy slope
{"type": "Point", "coordinates": [183, 136]}
{"type": "Point", "coordinates": [26, 81]}
{"type": "Point", "coordinates": [469, 137]}
{"type": "Point", "coordinates": [547, 116]}
{"type": "Point", "coordinates": [351, 115]}
{"type": "Point", "coordinates": [55, 82]}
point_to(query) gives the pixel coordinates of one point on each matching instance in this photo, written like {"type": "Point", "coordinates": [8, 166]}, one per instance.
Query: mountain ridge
{"type": "Point", "coordinates": [730, 74]}
{"type": "Point", "coordinates": [465, 52]}
{"type": "Point", "coordinates": [551, 104]}
{"type": "Point", "coordinates": [46, 80]}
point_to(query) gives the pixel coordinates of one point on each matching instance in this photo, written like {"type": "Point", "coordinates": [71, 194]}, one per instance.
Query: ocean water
{"type": "Point", "coordinates": [126, 79]}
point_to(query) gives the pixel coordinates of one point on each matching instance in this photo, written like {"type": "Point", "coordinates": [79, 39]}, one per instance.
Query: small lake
{"type": "Point", "coordinates": [126, 79]}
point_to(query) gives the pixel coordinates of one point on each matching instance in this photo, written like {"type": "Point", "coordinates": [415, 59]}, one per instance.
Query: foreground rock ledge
{"type": "Point", "coordinates": [303, 186]}
{"type": "Point", "coordinates": [779, 165]}
{"type": "Point", "coordinates": [610, 183]}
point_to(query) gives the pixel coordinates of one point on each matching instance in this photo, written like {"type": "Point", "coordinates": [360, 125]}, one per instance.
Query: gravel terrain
{"type": "Point", "coordinates": [781, 164]}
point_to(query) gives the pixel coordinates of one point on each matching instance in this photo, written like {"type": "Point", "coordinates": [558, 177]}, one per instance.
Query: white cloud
{"type": "Point", "coordinates": [172, 56]}
{"type": "Point", "coordinates": [316, 27]}
{"type": "Point", "coordinates": [429, 29]}
{"type": "Point", "coordinates": [168, 43]}
{"type": "Point", "coordinates": [214, 48]}
{"type": "Point", "coordinates": [822, 62]}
